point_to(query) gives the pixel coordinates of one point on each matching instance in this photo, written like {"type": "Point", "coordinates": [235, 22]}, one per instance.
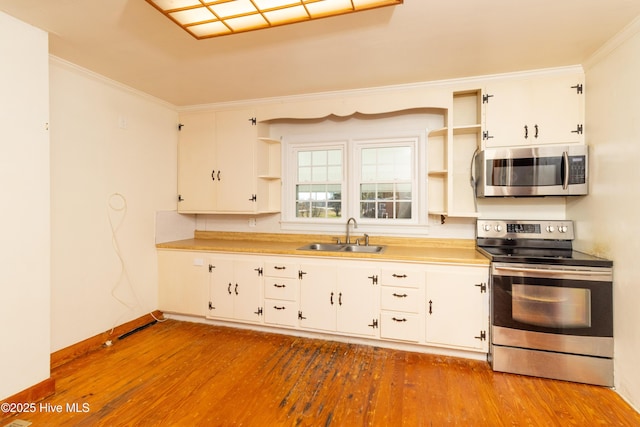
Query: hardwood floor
{"type": "Point", "coordinates": [189, 374]}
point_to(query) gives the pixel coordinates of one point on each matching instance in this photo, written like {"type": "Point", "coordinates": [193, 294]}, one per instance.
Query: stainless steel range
{"type": "Point", "coordinates": [551, 306]}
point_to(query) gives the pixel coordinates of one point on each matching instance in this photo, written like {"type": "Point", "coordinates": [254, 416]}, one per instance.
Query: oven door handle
{"type": "Point", "coordinates": [591, 275]}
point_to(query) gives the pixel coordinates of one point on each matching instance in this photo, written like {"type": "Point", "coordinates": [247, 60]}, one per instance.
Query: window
{"type": "Point", "coordinates": [386, 181]}
{"type": "Point", "coordinates": [319, 183]}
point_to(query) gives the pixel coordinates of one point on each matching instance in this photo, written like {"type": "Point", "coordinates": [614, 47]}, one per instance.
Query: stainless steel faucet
{"type": "Point", "coordinates": [355, 225]}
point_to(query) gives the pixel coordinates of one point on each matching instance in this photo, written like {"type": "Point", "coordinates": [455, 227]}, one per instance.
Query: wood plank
{"type": "Point", "coordinates": [181, 373]}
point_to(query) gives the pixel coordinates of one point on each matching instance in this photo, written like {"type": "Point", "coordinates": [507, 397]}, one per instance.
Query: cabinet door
{"type": "Point", "coordinates": [247, 290]}
{"type": "Point", "coordinates": [222, 289]}
{"type": "Point", "coordinates": [559, 109]}
{"type": "Point", "coordinates": [358, 302]}
{"type": "Point", "coordinates": [318, 297]}
{"type": "Point", "coordinates": [182, 282]}
{"type": "Point", "coordinates": [457, 307]}
{"type": "Point", "coordinates": [507, 112]}
{"type": "Point", "coordinates": [236, 136]}
{"type": "Point", "coordinates": [537, 110]}
{"type": "Point", "coordinates": [196, 163]}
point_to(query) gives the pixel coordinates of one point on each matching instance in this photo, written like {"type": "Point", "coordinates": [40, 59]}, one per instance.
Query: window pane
{"type": "Point", "coordinates": [369, 156]}
{"type": "Point", "coordinates": [367, 210]}
{"type": "Point", "coordinates": [303, 192]}
{"type": "Point", "coordinates": [403, 210]}
{"type": "Point", "coordinates": [302, 209]}
{"type": "Point", "coordinates": [319, 157]}
{"type": "Point", "coordinates": [304, 158]}
{"type": "Point", "coordinates": [367, 191]}
{"type": "Point", "coordinates": [334, 157]}
{"type": "Point", "coordinates": [385, 191]}
{"type": "Point", "coordinates": [334, 173]}
{"type": "Point", "coordinates": [334, 192]}
{"type": "Point", "coordinates": [319, 173]}
{"type": "Point", "coordinates": [334, 210]}
{"type": "Point", "coordinates": [304, 174]}
{"type": "Point", "coordinates": [403, 191]}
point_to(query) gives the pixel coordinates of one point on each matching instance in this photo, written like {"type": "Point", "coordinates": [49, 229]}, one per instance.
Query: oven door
{"type": "Point", "coordinates": [556, 308]}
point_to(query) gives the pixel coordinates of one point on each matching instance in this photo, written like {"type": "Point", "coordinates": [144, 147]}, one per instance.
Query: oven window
{"type": "Point", "coordinates": [553, 307]}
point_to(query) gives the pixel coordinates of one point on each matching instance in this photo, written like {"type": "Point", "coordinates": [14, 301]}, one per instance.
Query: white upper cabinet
{"type": "Point", "coordinates": [196, 153]}
{"type": "Point", "coordinates": [225, 166]}
{"type": "Point", "coordinates": [546, 109]}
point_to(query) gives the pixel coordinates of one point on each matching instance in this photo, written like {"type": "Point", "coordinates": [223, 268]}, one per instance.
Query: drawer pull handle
{"type": "Point", "coordinates": [399, 276]}
{"type": "Point", "coordinates": [400, 295]}
{"type": "Point", "coordinates": [280, 268]}
{"type": "Point", "coordinates": [279, 286]}
{"type": "Point", "coordinates": [395, 319]}
{"type": "Point", "coordinates": [278, 308]}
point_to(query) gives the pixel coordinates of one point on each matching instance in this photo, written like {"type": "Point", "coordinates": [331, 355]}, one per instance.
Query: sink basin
{"type": "Point", "coordinates": [332, 247]}
{"type": "Point", "coordinates": [327, 247]}
{"type": "Point", "coordinates": [363, 249]}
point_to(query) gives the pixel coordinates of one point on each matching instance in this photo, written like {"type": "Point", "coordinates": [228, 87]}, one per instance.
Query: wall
{"type": "Point", "coordinates": [608, 220]}
{"type": "Point", "coordinates": [24, 185]}
{"type": "Point", "coordinates": [113, 166]}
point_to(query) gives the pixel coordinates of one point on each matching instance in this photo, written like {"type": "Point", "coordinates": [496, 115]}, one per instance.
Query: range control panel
{"type": "Point", "coordinates": [517, 229]}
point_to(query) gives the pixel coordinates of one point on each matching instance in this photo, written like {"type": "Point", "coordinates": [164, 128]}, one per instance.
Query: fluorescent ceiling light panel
{"type": "Point", "coordinates": [211, 18]}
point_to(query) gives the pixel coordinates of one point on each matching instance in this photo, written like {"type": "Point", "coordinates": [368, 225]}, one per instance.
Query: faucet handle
{"type": "Point", "coordinates": [338, 242]}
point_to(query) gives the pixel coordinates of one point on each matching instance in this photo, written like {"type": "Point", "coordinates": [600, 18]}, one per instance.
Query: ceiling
{"type": "Point", "coordinates": [421, 40]}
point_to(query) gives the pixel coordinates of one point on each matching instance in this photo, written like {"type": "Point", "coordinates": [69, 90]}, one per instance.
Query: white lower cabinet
{"type": "Point", "coordinates": [458, 307]}
{"type": "Point", "coordinates": [339, 297]}
{"type": "Point", "coordinates": [281, 291]}
{"type": "Point", "coordinates": [402, 303]}
{"type": "Point", "coordinates": [424, 304]}
{"type": "Point", "coordinates": [236, 288]}
{"type": "Point", "coordinates": [183, 282]}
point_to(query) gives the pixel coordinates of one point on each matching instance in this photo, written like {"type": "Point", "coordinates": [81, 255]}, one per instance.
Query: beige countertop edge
{"type": "Point", "coordinates": [439, 253]}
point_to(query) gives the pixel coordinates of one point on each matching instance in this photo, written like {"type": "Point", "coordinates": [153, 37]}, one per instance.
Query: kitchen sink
{"type": "Point", "coordinates": [333, 247]}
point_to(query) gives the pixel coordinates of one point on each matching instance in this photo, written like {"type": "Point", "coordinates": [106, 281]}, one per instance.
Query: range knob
{"type": "Point", "coordinates": [563, 228]}
{"type": "Point", "coordinates": [486, 227]}
{"type": "Point", "coordinates": [498, 228]}
{"type": "Point", "coordinates": [550, 228]}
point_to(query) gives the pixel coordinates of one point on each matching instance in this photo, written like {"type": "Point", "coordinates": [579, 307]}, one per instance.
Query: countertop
{"type": "Point", "coordinates": [454, 251]}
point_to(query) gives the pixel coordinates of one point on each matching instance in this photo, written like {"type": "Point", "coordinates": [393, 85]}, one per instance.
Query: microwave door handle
{"type": "Point", "coordinates": [565, 168]}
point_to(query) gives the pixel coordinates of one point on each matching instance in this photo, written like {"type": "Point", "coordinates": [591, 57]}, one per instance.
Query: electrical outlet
{"type": "Point", "coordinates": [252, 222]}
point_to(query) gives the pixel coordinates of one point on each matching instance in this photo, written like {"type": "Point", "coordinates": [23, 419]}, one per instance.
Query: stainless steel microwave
{"type": "Point", "coordinates": [551, 170]}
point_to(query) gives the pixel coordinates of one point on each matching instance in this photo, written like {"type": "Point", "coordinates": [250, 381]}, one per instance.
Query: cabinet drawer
{"type": "Point", "coordinates": [281, 288]}
{"type": "Point", "coordinates": [280, 269]}
{"type": "Point", "coordinates": [400, 299]}
{"type": "Point", "coordinates": [400, 326]}
{"type": "Point", "coordinates": [402, 277]}
{"type": "Point", "coordinates": [277, 312]}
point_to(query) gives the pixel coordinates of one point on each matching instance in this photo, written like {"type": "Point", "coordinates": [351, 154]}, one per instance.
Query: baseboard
{"type": "Point", "coordinates": [96, 342]}
{"type": "Point", "coordinates": [34, 393]}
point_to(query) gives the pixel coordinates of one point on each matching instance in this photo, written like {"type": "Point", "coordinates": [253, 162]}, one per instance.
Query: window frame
{"type": "Point", "coordinates": [354, 205]}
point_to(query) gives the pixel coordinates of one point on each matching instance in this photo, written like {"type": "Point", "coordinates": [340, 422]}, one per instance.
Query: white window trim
{"type": "Point", "coordinates": [416, 226]}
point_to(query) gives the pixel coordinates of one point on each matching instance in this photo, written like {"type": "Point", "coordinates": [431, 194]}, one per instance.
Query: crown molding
{"type": "Point", "coordinates": [614, 43]}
